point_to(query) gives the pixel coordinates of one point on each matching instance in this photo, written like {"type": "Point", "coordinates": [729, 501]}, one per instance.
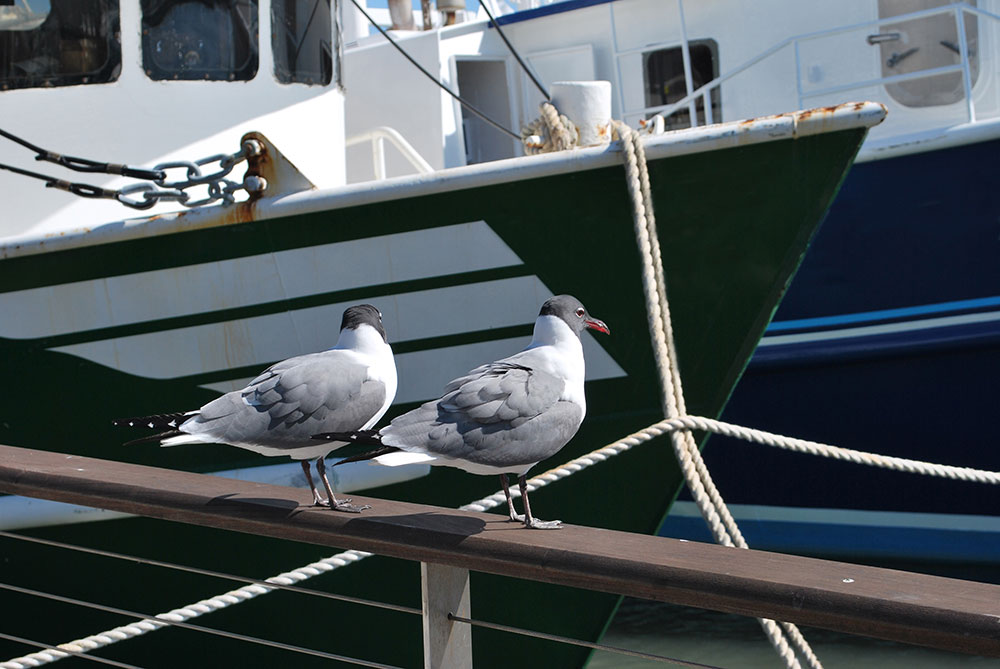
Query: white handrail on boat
{"type": "Point", "coordinates": [377, 137]}
{"type": "Point", "coordinates": [957, 8]}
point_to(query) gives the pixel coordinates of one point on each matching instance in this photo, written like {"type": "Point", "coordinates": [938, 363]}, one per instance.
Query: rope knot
{"type": "Point", "coordinates": [550, 132]}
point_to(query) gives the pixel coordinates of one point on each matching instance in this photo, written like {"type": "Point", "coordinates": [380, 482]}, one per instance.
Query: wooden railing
{"type": "Point", "coordinates": [919, 609]}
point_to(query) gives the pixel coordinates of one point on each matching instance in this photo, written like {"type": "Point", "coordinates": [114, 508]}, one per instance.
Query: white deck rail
{"type": "Point", "coordinates": [377, 137]}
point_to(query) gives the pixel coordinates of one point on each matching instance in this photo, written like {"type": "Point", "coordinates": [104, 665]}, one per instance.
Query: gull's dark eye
{"type": "Point", "coordinates": [580, 312]}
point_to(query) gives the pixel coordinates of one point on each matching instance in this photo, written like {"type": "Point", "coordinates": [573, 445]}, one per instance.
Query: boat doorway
{"type": "Point", "coordinates": [485, 85]}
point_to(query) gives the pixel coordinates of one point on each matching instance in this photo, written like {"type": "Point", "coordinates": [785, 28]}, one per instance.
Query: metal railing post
{"type": "Point", "coordinates": [445, 590]}
{"type": "Point", "coordinates": [963, 47]}
{"type": "Point", "coordinates": [378, 157]}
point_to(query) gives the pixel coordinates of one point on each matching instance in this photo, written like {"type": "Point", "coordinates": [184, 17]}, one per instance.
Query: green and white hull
{"type": "Point", "coordinates": [162, 314]}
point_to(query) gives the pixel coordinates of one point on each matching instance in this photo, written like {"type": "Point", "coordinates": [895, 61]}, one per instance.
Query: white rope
{"type": "Point", "coordinates": [552, 131]}
{"type": "Point", "coordinates": [825, 450]}
{"type": "Point", "coordinates": [183, 614]}
{"type": "Point", "coordinates": [696, 474]}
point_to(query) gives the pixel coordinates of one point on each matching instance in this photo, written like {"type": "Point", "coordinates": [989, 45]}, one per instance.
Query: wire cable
{"type": "Point", "coordinates": [197, 628]}
{"type": "Point", "coordinates": [216, 574]}
{"type": "Point", "coordinates": [84, 164]}
{"type": "Point", "coordinates": [577, 642]}
{"type": "Point", "coordinates": [465, 103]}
{"type": "Point", "coordinates": [514, 52]}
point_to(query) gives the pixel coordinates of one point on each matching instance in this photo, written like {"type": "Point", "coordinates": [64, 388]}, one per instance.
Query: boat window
{"type": "Point", "coordinates": [301, 38]}
{"type": "Point", "coordinates": [923, 44]}
{"type": "Point", "coordinates": [663, 74]}
{"type": "Point", "coordinates": [47, 43]}
{"type": "Point", "coordinates": [213, 40]}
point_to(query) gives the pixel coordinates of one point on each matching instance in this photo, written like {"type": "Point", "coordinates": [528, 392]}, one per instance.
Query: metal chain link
{"type": "Point", "coordinates": [163, 189]}
{"type": "Point", "coordinates": [146, 195]}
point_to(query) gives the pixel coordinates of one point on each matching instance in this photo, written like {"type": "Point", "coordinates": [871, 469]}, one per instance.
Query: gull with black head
{"type": "Point", "coordinates": [503, 417]}
{"type": "Point", "coordinates": [348, 387]}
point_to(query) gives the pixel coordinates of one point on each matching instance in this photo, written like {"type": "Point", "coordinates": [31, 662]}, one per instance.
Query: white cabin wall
{"type": "Point", "coordinates": [590, 26]}
{"type": "Point", "coordinates": [141, 122]}
{"type": "Point", "coordinates": [744, 30]}
{"type": "Point", "coordinates": [614, 36]}
{"type": "Point", "coordinates": [384, 89]}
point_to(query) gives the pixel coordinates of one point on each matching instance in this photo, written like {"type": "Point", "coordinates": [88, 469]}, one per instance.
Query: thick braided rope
{"type": "Point", "coordinates": [185, 613]}
{"type": "Point", "coordinates": [826, 450]}
{"type": "Point", "coordinates": [671, 351]}
{"type": "Point", "coordinates": [658, 333]}
{"type": "Point", "coordinates": [556, 131]}
{"type": "Point", "coordinates": [699, 481]}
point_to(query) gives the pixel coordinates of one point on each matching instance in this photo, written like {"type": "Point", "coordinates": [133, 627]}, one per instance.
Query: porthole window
{"type": "Point", "coordinates": [302, 40]}
{"type": "Point", "coordinates": [922, 44]}
{"type": "Point", "coordinates": [213, 40]}
{"type": "Point", "coordinates": [665, 83]}
{"type": "Point", "coordinates": [45, 43]}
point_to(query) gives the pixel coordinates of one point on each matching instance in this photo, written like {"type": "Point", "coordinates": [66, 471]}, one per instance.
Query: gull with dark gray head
{"type": "Point", "coordinates": [503, 417]}
{"type": "Point", "coordinates": [348, 387]}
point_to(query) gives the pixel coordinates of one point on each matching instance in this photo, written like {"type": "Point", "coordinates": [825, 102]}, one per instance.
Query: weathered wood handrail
{"type": "Point", "coordinates": [925, 610]}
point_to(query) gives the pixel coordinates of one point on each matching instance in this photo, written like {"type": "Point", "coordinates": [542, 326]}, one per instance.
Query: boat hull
{"type": "Point", "coordinates": [888, 341]}
{"type": "Point", "coordinates": [733, 223]}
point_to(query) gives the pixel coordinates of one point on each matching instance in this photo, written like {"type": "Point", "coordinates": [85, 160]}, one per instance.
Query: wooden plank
{"type": "Point", "coordinates": [926, 610]}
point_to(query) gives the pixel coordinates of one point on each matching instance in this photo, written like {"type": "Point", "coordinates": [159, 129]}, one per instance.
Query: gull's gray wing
{"type": "Point", "coordinates": [293, 400]}
{"type": "Point", "coordinates": [500, 415]}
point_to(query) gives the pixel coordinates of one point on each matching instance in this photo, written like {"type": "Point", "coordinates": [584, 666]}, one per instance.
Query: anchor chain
{"type": "Point", "coordinates": [163, 181]}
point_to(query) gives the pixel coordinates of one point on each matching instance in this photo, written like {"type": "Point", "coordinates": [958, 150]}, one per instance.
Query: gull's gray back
{"type": "Point", "coordinates": [505, 414]}
{"type": "Point", "coordinates": [291, 401]}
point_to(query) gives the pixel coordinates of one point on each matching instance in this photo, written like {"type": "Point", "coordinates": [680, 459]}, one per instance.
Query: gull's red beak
{"type": "Point", "coordinates": [596, 324]}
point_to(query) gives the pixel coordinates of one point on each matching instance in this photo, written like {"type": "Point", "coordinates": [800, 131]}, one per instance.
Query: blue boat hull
{"type": "Point", "coordinates": [888, 341]}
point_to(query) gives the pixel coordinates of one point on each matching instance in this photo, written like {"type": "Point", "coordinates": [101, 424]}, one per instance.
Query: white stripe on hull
{"type": "Point", "coordinates": [241, 282]}
{"type": "Point", "coordinates": [263, 339]}
{"type": "Point", "coordinates": [408, 316]}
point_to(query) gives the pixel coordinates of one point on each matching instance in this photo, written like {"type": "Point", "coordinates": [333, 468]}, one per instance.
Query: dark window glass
{"type": "Point", "coordinates": [213, 40]}
{"type": "Point", "coordinates": [59, 43]}
{"type": "Point", "coordinates": [301, 37]}
{"type": "Point", "coordinates": [663, 72]}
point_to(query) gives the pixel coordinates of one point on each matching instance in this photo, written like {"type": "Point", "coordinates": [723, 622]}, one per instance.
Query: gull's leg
{"type": "Point", "coordinates": [510, 502]}
{"type": "Point", "coordinates": [339, 505]}
{"type": "Point", "coordinates": [529, 521]}
{"type": "Point", "coordinates": [317, 500]}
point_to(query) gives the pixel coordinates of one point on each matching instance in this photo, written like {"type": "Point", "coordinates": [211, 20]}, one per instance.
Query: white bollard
{"type": "Point", "coordinates": [588, 105]}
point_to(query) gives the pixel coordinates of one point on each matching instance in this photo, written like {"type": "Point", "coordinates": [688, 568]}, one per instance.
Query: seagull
{"type": "Point", "coordinates": [348, 387]}
{"type": "Point", "coordinates": [500, 418]}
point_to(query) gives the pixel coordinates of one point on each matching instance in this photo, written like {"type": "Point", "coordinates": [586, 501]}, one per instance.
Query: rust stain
{"type": "Point", "coordinates": [805, 114]}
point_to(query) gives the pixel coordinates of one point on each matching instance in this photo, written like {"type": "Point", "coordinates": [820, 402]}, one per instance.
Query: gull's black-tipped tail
{"type": "Point", "coordinates": [161, 421]}
{"type": "Point", "coordinates": [363, 437]}
{"type": "Point", "coordinates": [360, 457]}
